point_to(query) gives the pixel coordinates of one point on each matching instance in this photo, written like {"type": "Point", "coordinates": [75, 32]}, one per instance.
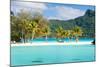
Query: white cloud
{"type": "Point", "coordinates": [38, 7]}
{"type": "Point", "coordinates": [62, 12]}
{"type": "Point", "coordinates": [66, 13]}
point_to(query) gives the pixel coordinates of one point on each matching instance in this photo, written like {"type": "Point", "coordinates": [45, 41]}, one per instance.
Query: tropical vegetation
{"type": "Point", "coordinates": [26, 26]}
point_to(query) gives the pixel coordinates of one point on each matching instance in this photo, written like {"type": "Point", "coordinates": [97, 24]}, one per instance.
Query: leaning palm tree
{"type": "Point", "coordinates": [60, 33]}
{"type": "Point", "coordinates": [23, 18]}
{"type": "Point", "coordinates": [41, 23]}
{"type": "Point", "coordinates": [22, 28]}
{"type": "Point", "coordinates": [77, 32]}
{"type": "Point", "coordinates": [34, 27]}
{"type": "Point", "coordinates": [67, 34]}
{"type": "Point", "coordinates": [46, 32]}
{"type": "Point", "coordinates": [71, 34]}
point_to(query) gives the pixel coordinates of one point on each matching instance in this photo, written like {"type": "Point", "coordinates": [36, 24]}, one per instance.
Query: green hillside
{"type": "Point", "coordinates": [86, 22]}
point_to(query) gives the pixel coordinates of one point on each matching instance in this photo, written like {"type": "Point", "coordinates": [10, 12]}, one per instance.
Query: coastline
{"type": "Point", "coordinates": [50, 43]}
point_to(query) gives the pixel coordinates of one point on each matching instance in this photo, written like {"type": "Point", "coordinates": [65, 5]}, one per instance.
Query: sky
{"type": "Point", "coordinates": [51, 10]}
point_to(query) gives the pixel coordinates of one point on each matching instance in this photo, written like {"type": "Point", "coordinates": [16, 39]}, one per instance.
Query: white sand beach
{"type": "Point", "coordinates": [51, 43]}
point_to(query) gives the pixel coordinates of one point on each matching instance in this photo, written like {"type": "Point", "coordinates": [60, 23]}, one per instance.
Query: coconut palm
{"type": "Point", "coordinates": [46, 32]}
{"type": "Point", "coordinates": [34, 27]}
{"type": "Point", "coordinates": [71, 34]}
{"type": "Point", "coordinates": [60, 33]}
{"type": "Point", "coordinates": [67, 34]}
{"type": "Point", "coordinates": [23, 19]}
{"type": "Point", "coordinates": [24, 29]}
{"type": "Point", "coordinates": [77, 32]}
{"type": "Point", "coordinates": [42, 24]}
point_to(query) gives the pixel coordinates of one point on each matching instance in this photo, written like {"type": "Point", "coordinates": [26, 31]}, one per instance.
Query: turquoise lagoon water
{"type": "Point", "coordinates": [36, 55]}
{"type": "Point", "coordinates": [54, 39]}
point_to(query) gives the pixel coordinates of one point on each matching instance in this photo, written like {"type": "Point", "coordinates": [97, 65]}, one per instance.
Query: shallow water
{"type": "Point", "coordinates": [34, 55]}
{"type": "Point", "coordinates": [55, 40]}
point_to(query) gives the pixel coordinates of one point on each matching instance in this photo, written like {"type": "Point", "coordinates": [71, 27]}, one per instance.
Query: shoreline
{"type": "Point", "coordinates": [51, 43]}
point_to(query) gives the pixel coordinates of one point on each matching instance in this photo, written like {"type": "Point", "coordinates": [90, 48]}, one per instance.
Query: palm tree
{"type": "Point", "coordinates": [20, 27]}
{"type": "Point", "coordinates": [71, 34]}
{"type": "Point", "coordinates": [67, 34]}
{"type": "Point", "coordinates": [77, 32]}
{"type": "Point", "coordinates": [42, 24]}
{"type": "Point", "coordinates": [34, 27]}
{"type": "Point", "coordinates": [46, 32]}
{"type": "Point", "coordinates": [60, 33]}
{"type": "Point", "coordinates": [24, 29]}
{"type": "Point", "coordinates": [23, 19]}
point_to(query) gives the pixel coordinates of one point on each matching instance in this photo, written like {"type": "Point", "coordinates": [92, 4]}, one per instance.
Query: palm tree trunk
{"type": "Point", "coordinates": [23, 37]}
{"type": "Point", "coordinates": [46, 37]}
{"type": "Point", "coordinates": [77, 39]}
{"type": "Point", "coordinates": [69, 39]}
{"type": "Point", "coordinates": [32, 36]}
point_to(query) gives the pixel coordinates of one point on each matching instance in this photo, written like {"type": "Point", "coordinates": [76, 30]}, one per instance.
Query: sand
{"type": "Point", "coordinates": [51, 43]}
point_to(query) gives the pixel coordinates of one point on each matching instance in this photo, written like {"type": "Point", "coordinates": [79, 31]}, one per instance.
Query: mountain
{"type": "Point", "coordinates": [86, 22]}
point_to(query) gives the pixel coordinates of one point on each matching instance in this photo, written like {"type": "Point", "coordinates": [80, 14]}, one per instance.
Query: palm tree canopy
{"type": "Point", "coordinates": [46, 31]}
{"type": "Point", "coordinates": [77, 31]}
